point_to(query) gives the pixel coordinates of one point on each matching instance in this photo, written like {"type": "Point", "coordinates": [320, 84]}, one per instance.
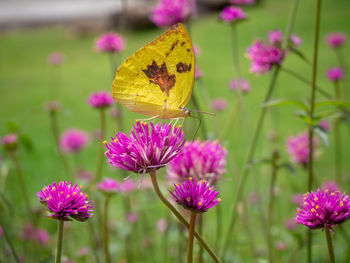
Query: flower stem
{"type": "Point", "coordinates": [200, 231]}
{"type": "Point", "coordinates": [101, 145]}
{"type": "Point", "coordinates": [127, 241]}
{"type": "Point", "coordinates": [179, 216]}
{"type": "Point", "coordinates": [105, 229]}
{"type": "Point", "coordinates": [337, 140]}
{"type": "Point", "coordinates": [250, 157]}
{"type": "Point", "coordinates": [9, 242]}
{"type": "Point", "coordinates": [329, 244]}
{"type": "Point", "coordinates": [59, 241]}
{"type": "Point", "coordinates": [311, 115]}
{"type": "Point", "coordinates": [190, 238]}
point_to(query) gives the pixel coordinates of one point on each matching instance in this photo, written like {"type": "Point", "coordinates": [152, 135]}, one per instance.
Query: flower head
{"type": "Point", "coordinates": [323, 208]}
{"type": "Point", "coordinates": [290, 224]}
{"type": "Point", "coordinates": [331, 186]}
{"type": "Point", "coordinates": [10, 141]}
{"type": "Point", "coordinates": [263, 56]}
{"type": "Point", "coordinates": [336, 39]}
{"type": "Point", "coordinates": [243, 2]}
{"type": "Point", "coordinates": [148, 146]}
{"type": "Point", "coordinates": [219, 104]}
{"type": "Point", "coordinates": [196, 50]}
{"type": "Point", "coordinates": [43, 236]}
{"type": "Point", "coordinates": [298, 198]}
{"type": "Point", "coordinates": [197, 72]}
{"type": "Point", "coordinates": [55, 58]}
{"type": "Point", "coordinates": [275, 37]}
{"type": "Point", "coordinates": [243, 84]}
{"type": "Point", "coordinates": [202, 160]}
{"type": "Point", "coordinates": [110, 42]}
{"type": "Point", "coordinates": [296, 41]}
{"type": "Point", "coordinates": [170, 12]}
{"type": "Point", "coordinates": [65, 201]}
{"type": "Point", "coordinates": [128, 186]}
{"type": "Point", "coordinates": [298, 147]}
{"type": "Point", "coordinates": [74, 140]}
{"type": "Point", "coordinates": [100, 99]}
{"type": "Point", "coordinates": [335, 74]}
{"type": "Point", "coordinates": [232, 14]}
{"type": "Point", "coordinates": [162, 225]}
{"type": "Point", "coordinates": [132, 217]}
{"type": "Point", "coordinates": [325, 125]}
{"type": "Point", "coordinates": [195, 196]}
{"type": "Point", "coordinates": [109, 186]}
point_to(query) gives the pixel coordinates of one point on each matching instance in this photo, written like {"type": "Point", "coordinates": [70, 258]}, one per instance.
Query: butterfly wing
{"type": "Point", "coordinates": [157, 80]}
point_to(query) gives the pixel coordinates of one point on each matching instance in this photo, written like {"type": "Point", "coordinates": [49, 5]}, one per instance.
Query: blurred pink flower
{"type": "Point", "coordinates": [100, 99]}
{"type": "Point", "coordinates": [219, 104]}
{"type": "Point", "coordinates": [109, 186]}
{"type": "Point", "coordinates": [335, 74]}
{"type": "Point", "coordinates": [28, 233]}
{"type": "Point", "coordinates": [83, 252]}
{"type": "Point", "coordinates": [325, 125]}
{"type": "Point", "coordinates": [298, 199]}
{"type": "Point", "coordinates": [55, 58]}
{"type": "Point", "coordinates": [162, 225]}
{"type": "Point", "coordinates": [169, 12]}
{"type": "Point", "coordinates": [73, 141]}
{"type": "Point", "coordinates": [43, 236]}
{"type": "Point", "coordinates": [253, 198]}
{"type": "Point", "coordinates": [85, 175]}
{"type": "Point", "coordinates": [296, 40]}
{"type": "Point", "coordinates": [298, 147]}
{"type": "Point", "coordinates": [197, 72]}
{"type": "Point", "coordinates": [243, 2]}
{"type": "Point", "coordinates": [115, 113]}
{"type": "Point", "coordinates": [290, 224]}
{"type": "Point", "coordinates": [281, 246]}
{"type": "Point", "coordinates": [231, 14]}
{"type": "Point", "coordinates": [243, 84]}
{"type": "Point", "coordinates": [1, 232]}
{"type": "Point", "coordinates": [110, 42]}
{"type": "Point", "coordinates": [132, 217]}
{"type": "Point", "coordinates": [10, 141]}
{"type": "Point", "coordinates": [331, 186]}
{"type": "Point", "coordinates": [336, 39]}
{"type": "Point", "coordinates": [275, 37]}
{"type": "Point", "coordinates": [128, 186]}
{"type": "Point", "coordinates": [196, 50]}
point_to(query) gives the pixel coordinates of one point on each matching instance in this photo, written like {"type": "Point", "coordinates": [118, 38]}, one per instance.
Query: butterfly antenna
{"type": "Point", "coordinates": [199, 125]}
{"type": "Point", "coordinates": [204, 112]}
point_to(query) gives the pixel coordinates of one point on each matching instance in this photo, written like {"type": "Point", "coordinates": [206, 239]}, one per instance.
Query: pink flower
{"type": "Point", "coordinates": [298, 147]}
{"type": "Point", "coordinates": [244, 85]}
{"type": "Point", "coordinates": [296, 40]}
{"type": "Point", "coordinates": [115, 113]}
{"type": "Point", "coordinates": [28, 233]}
{"type": "Point", "coordinates": [100, 99]}
{"type": "Point", "coordinates": [263, 56]}
{"type": "Point", "coordinates": [231, 14]}
{"type": "Point", "coordinates": [128, 186]}
{"type": "Point", "coordinates": [290, 224]}
{"type": "Point", "coordinates": [275, 37]}
{"type": "Point", "coordinates": [196, 50]}
{"type": "Point", "coordinates": [109, 186]}
{"type": "Point", "coordinates": [10, 141]}
{"type": "Point", "coordinates": [83, 252]}
{"type": "Point", "coordinates": [331, 186]}
{"type": "Point", "coordinates": [298, 199]}
{"type": "Point", "coordinates": [1, 232]}
{"type": "Point", "coordinates": [336, 39]}
{"type": "Point", "coordinates": [219, 104]}
{"type": "Point", "coordinates": [55, 58]}
{"type": "Point", "coordinates": [162, 225]}
{"type": "Point", "coordinates": [335, 74]}
{"type": "Point", "coordinates": [132, 217]}
{"type": "Point", "coordinates": [325, 125]}
{"type": "Point", "coordinates": [110, 42]}
{"type": "Point", "coordinates": [242, 2]}
{"type": "Point", "coordinates": [281, 246]}
{"type": "Point", "coordinates": [197, 72]}
{"type": "Point", "coordinates": [43, 236]}
{"type": "Point", "coordinates": [73, 141]}
{"type": "Point", "coordinates": [85, 175]}
{"type": "Point", "coordinates": [253, 198]}
{"type": "Point", "coordinates": [170, 12]}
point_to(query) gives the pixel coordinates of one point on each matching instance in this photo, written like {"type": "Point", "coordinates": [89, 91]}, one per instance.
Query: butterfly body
{"type": "Point", "coordinates": [157, 80]}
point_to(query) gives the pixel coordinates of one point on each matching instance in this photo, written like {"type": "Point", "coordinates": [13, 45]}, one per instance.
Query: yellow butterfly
{"type": "Point", "coordinates": [157, 80]}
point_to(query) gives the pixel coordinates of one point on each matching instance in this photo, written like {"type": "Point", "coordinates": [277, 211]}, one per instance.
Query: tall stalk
{"type": "Point", "coordinates": [100, 156]}
{"type": "Point", "coordinates": [190, 238]}
{"type": "Point", "coordinates": [105, 230]}
{"type": "Point", "coordinates": [177, 214]}
{"type": "Point", "coordinates": [337, 140]}
{"type": "Point", "coordinates": [329, 244]}
{"type": "Point", "coordinates": [59, 241]}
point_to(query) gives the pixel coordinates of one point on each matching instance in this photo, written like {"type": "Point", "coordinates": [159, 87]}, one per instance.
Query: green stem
{"type": "Point", "coordinates": [200, 231]}
{"type": "Point", "coordinates": [337, 140]}
{"type": "Point", "coordinates": [311, 115]}
{"type": "Point", "coordinates": [127, 241]}
{"type": "Point", "coordinates": [190, 238]}
{"type": "Point", "coordinates": [59, 241]}
{"type": "Point", "coordinates": [100, 155]}
{"type": "Point", "coordinates": [176, 213]}
{"type": "Point", "coordinates": [105, 230]}
{"type": "Point", "coordinates": [329, 244]}
{"type": "Point", "coordinates": [250, 157]}
{"type": "Point", "coordinates": [9, 242]}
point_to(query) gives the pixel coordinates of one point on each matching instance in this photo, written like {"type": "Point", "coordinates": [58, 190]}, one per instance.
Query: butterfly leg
{"type": "Point", "coordinates": [149, 119]}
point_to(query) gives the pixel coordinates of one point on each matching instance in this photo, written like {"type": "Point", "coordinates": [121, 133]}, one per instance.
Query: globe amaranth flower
{"type": "Point", "coordinates": [10, 141]}
{"type": "Point", "coordinates": [110, 43]}
{"type": "Point", "coordinates": [169, 12]}
{"type": "Point", "coordinates": [331, 186]}
{"type": "Point", "coordinates": [65, 201]}
{"type": "Point", "coordinates": [73, 141]}
{"type": "Point", "coordinates": [298, 147]}
{"type": "Point", "coordinates": [336, 39]}
{"type": "Point", "coordinates": [275, 37]}
{"type": "Point", "coordinates": [295, 40]}
{"type": "Point", "coordinates": [202, 160]}
{"type": "Point", "coordinates": [128, 186]}
{"type": "Point", "coordinates": [197, 72]}
{"type": "Point", "coordinates": [335, 74]}
{"type": "Point", "coordinates": [148, 146]}
{"type": "Point", "coordinates": [219, 104]}
{"type": "Point", "coordinates": [323, 208]}
{"type": "Point", "coordinates": [195, 196]}
{"type": "Point", "coordinates": [232, 14]}
{"type": "Point", "coordinates": [242, 83]}
{"type": "Point", "coordinates": [101, 99]}
{"type": "Point", "coordinates": [243, 2]}
{"type": "Point", "coordinates": [55, 58]}
{"type": "Point", "coordinates": [109, 186]}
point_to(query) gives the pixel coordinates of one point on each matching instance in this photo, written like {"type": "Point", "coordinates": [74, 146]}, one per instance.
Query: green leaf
{"type": "Point", "coordinates": [12, 126]}
{"type": "Point", "coordinates": [332, 103]}
{"type": "Point", "coordinates": [26, 141]}
{"type": "Point", "coordinates": [280, 102]}
{"type": "Point", "coordinates": [322, 134]}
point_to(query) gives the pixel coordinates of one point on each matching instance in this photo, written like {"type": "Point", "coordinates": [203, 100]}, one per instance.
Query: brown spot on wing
{"type": "Point", "coordinates": [183, 67]}
{"type": "Point", "coordinates": [174, 45]}
{"type": "Point", "coordinates": [160, 76]}
{"type": "Point", "coordinates": [182, 43]}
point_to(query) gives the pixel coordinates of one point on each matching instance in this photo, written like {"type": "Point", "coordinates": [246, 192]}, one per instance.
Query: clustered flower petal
{"type": "Point", "coordinates": [242, 83]}
{"type": "Point", "coordinates": [148, 146]}
{"type": "Point", "coordinates": [109, 186]}
{"type": "Point", "coordinates": [336, 39]}
{"type": "Point", "coordinates": [169, 12]}
{"type": "Point", "coordinates": [10, 141]}
{"type": "Point", "coordinates": [73, 140]}
{"type": "Point", "coordinates": [298, 147]}
{"type": "Point", "coordinates": [65, 201]}
{"type": "Point", "coordinates": [231, 14]}
{"type": "Point", "coordinates": [219, 104]}
{"type": "Point", "coordinates": [55, 58]}
{"type": "Point", "coordinates": [296, 41]}
{"type": "Point", "coordinates": [335, 74]}
{"type": "Point", "coordinates": [323, 208]}
{"type": "Point", "coordinates": [202, 160]}
{"type": "Point", "coordinates": [331, 186]}
{"type": "Point", "coordinates": [110, 42]}
{"type": "Point", "coordinates": [100, 99]}
{"type": "Point", "coordinates": [195, 196]}
{"type": "Point", "coordinates": [275, 37]}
